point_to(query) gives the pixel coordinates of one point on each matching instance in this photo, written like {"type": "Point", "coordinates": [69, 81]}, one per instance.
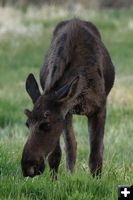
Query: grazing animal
{"type": "Point", "coordinates": [76, 78]}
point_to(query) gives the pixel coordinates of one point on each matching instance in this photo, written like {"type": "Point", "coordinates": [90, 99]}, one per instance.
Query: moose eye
{"type": "Point", "coordinates": [45, 127]}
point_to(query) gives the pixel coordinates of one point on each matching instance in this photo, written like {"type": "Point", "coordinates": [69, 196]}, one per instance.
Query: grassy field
{"type": "Point", "coordinates": [24, 39]}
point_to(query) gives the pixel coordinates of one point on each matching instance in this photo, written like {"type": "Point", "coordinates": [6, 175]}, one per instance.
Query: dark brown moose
{"type": "Point", "coordinates": [76, 78]}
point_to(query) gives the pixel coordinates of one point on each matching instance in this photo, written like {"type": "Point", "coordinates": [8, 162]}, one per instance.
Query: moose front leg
{"type": "Point", "coordinates": [54, 160]}
{"type": "Point", "coordinates": [96, 126]}
{"type": "Point", "coordinates": [70, 143]}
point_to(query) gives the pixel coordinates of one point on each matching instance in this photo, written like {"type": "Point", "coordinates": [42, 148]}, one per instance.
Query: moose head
{"type": "Point", "coordinates": [45, 123]}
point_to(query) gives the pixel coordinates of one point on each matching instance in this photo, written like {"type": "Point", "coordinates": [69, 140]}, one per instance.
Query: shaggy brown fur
{"type": "Point", "coordinates": [76, 77]}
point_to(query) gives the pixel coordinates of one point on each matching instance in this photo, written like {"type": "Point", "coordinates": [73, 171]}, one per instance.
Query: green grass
{"type": "Point", "coordinates": [22, 52]}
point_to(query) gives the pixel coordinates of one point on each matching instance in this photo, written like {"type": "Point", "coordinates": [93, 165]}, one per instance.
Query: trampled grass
{"type": "Point", "coordinates": [24, 39]}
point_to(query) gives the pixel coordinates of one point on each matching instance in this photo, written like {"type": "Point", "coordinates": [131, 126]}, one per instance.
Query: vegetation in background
{"type": "Point", "coordinates": [24, 39]}
{"type": "Point", "coordinates": [71, 3]}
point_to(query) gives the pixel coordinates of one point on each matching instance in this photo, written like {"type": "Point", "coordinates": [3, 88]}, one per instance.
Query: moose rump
{"type": "Point", "coordinates": [76, 78]}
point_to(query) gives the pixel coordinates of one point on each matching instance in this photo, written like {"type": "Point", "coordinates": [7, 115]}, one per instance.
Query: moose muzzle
{"type": "Point", "coordinates": [32, 168]}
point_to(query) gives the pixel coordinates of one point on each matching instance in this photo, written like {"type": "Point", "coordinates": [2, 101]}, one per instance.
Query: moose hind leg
{"type": "Point", "coordinates": [54, 161]}
{"type": "Point", "coordinates": [70, 143]}
{"type": "Point", "coordinates": [96, 126]}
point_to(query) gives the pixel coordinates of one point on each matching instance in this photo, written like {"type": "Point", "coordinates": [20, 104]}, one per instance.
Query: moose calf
{"type": "Point", "coordinates": [76, 78]}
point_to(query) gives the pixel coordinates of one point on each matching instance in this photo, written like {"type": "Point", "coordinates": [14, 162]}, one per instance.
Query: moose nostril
{"type": "Point", "coordinates": [25, 174]}
{"type": "Point", "coordinates": [31, 172]}
{"type": "Point", "coordinates": [33, 168]}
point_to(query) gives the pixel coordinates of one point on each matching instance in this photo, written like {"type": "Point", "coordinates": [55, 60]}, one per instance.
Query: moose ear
{"type": "Point", "coordinates": [32, 88]}
{"type": "Point", "coordinates": [68, 91]}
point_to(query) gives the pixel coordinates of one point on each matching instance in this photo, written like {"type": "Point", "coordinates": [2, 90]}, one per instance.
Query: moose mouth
{"type": "Point", "coordinates": [32, 172]}
{"type": "Point", "coordinates": [35, 169]}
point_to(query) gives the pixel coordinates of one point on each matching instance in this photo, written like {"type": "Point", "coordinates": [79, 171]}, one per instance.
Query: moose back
{"type": "Point", "coordinates": [76, 78]}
